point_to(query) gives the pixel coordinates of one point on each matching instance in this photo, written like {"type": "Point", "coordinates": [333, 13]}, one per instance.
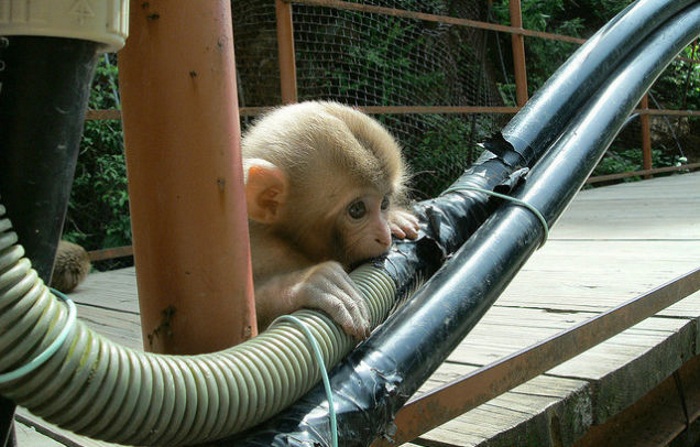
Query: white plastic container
{"type": "Point", "coordinates": [102, 21]}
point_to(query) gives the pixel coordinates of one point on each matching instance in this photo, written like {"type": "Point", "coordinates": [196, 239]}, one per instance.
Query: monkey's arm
{"type": "Point", "coordinates": [326, 287]}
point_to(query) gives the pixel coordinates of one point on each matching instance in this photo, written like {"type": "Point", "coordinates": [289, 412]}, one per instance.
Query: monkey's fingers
{"type": "Point", "coordinates": [404, 225]}
{"type": "Point", "coordinates": [330, 290]}
{"type": "Point", "coordinates": [346, 312]}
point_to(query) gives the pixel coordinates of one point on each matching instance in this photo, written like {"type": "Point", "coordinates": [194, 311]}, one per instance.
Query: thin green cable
{"type": "Point", "coordinates": [322, 367]}
{"type": "Point", "coordinates": [511, 199]}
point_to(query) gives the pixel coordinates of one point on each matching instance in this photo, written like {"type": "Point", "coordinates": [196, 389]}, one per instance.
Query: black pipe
{"type": "Point", "coordinates": [524, 140]}
{"type": "Point", "coordinates": [544, 116]}
{"type": "Point", "coordinates": [44, 90]}
{"type": "Point", "coordinates": [378, 377]}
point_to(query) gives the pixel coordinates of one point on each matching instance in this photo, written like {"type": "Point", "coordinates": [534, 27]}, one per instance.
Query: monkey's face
{"type": "Point", "coordinates": [347, 224]}
{"type": "Point", "coordinates": [364, 229]}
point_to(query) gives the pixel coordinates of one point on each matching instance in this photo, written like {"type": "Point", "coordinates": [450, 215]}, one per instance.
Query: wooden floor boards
{"type": "Point", "coordinates": [612, 244]}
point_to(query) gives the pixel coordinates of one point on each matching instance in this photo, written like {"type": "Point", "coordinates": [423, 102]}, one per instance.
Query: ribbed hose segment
{"type": "Point", "coordinates": [94, 387]}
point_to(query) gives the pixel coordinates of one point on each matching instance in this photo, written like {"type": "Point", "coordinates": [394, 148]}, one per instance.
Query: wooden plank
{"type": "Point", "coordinates": [44, 429]}
{"type": "Point", "coordinates": [109, 290]}
{"type": "Point", "coordinates": [656, 419]}
{"type": "Point", "coordinates": [660, 208]}
{"type": "Point", "coordinates": [111, 253]}
{"type": "Point", "coordinates": [29, 436]}
{"type": "Point", "coordinates": [527, 415]}
{"type": "Point", "coordinates": [122, 328]}
{"type": "Point", "coordinates": [497, 335]}
{"type": "Point", "coordinates": [687, 308]}
{"type": "Point", "coordinates": [632, 364]}
{"type": "Point", "coordinates": [519, 414]}
{"type": "Point", "coordinates": [574, 279]}
{"type": "Point", "coordinates": [613, 244]}
{"type": "Point", "coordinates": [108, 303]}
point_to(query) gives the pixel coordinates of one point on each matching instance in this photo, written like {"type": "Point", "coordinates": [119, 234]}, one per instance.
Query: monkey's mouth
{"type": "Point", "coordinates": [376, 260]}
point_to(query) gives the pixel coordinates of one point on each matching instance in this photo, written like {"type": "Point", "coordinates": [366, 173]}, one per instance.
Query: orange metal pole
{"type": "Point", "coordinates": [182, 135]}
{"type": "Point", "coordinates": [285, 45]}
{"type": "Point", "coordinates": [519, 66]}
{"type": "Point", "coordinates": [646, 135]}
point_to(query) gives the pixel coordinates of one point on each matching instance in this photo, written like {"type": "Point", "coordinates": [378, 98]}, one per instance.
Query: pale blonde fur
{"type": "Point", "coordinates": [308, 136]}
{"type": "Point", "coordinates": [322, 182]}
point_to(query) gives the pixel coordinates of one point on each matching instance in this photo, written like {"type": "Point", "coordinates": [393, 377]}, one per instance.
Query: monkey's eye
{"type": "Point", "coordinates": [357, 210]}
{"type": "Point", "coordinates": [386, 201]}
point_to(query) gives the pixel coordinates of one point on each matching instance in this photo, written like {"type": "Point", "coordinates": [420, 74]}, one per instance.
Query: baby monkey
{"type": "Point", "coordinates": [324, 185]}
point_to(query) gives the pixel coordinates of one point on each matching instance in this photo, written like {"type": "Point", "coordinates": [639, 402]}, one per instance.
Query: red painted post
{"type": "Point", "coordinates": [519, 66]}
{"type": "Point", "coordinates": [285, 45]}
{"type": "Point", "coordinates": [646, 136]}
{"type": "Point", "coordinates": [182, 136]}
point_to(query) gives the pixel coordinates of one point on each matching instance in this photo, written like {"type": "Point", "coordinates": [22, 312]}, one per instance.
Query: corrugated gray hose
{"type": "Point", "coordinates": [97, 388]}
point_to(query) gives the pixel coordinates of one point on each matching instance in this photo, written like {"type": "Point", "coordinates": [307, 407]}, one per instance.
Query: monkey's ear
{"type": "Point", "coordinates": [265, 190]}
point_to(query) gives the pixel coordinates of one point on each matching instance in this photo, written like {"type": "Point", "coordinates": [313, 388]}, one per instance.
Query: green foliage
{"type": "Point", "coordinates": [543, 56]}
{"type": "Point", "coordinates": [443, 151]}
{"type": "Point", "coordinates": [679, 86]}
{"type": "Point", "coordinates": [386, 61]}
{"type": "Point", "coordinates": [377, 62]}
{"type": "Point", "coordinates": [382, 61]}
{"type": "Point", "coordinates": [98, 212]}
{"type": "Point", "coordinates": [618, 160]}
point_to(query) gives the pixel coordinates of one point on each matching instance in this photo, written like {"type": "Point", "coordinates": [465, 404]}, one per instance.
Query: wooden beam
{"type": "Point", "coordinates": [453, 399]}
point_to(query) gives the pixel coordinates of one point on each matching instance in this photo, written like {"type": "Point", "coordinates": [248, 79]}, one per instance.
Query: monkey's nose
{"type": "Point", "coordinates": [384, 239]}
{"type": "Point", "coordinates": [382, 243]}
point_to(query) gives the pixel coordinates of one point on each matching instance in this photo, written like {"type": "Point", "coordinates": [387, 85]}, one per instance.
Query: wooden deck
{"type": "Point", "coordinates": [614, 243]}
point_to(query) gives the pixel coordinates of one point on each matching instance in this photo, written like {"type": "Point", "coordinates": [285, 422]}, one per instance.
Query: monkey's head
{"type": "Point", "coordinates": [325, 177]}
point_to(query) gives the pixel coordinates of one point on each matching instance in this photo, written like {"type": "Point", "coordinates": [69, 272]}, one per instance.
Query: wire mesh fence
{"type": "Point", "coordinates": [369, 60]}
{"type": "Point", "coordinates": [437, 73]}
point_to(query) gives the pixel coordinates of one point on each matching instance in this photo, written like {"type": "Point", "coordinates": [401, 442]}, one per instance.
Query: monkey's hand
{"type": "Point", "coordinates": [403, 224]}
{"type": "Point", "coordinates": [325, 287]}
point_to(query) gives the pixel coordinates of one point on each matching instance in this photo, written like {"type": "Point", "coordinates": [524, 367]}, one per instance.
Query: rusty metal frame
{"type": "Point", "coordinates": [337, 4]}
{"type": "Point", "coordinates": [518, 48]}
{"type": "Point", "coordinates": [642, 173]}
{"type": "Point", "coordinates": [645, 121]}
{"type": "Point", "coordinates": [288, 82]}
{"type": "Point", "coordinates": [451, 400]}
{"type": "Point", "coordinates": [285, 48]}
{"type": "Point", "coordinates": [113, 114]}
{"type": "Point", "coordinates": [111, 253]}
